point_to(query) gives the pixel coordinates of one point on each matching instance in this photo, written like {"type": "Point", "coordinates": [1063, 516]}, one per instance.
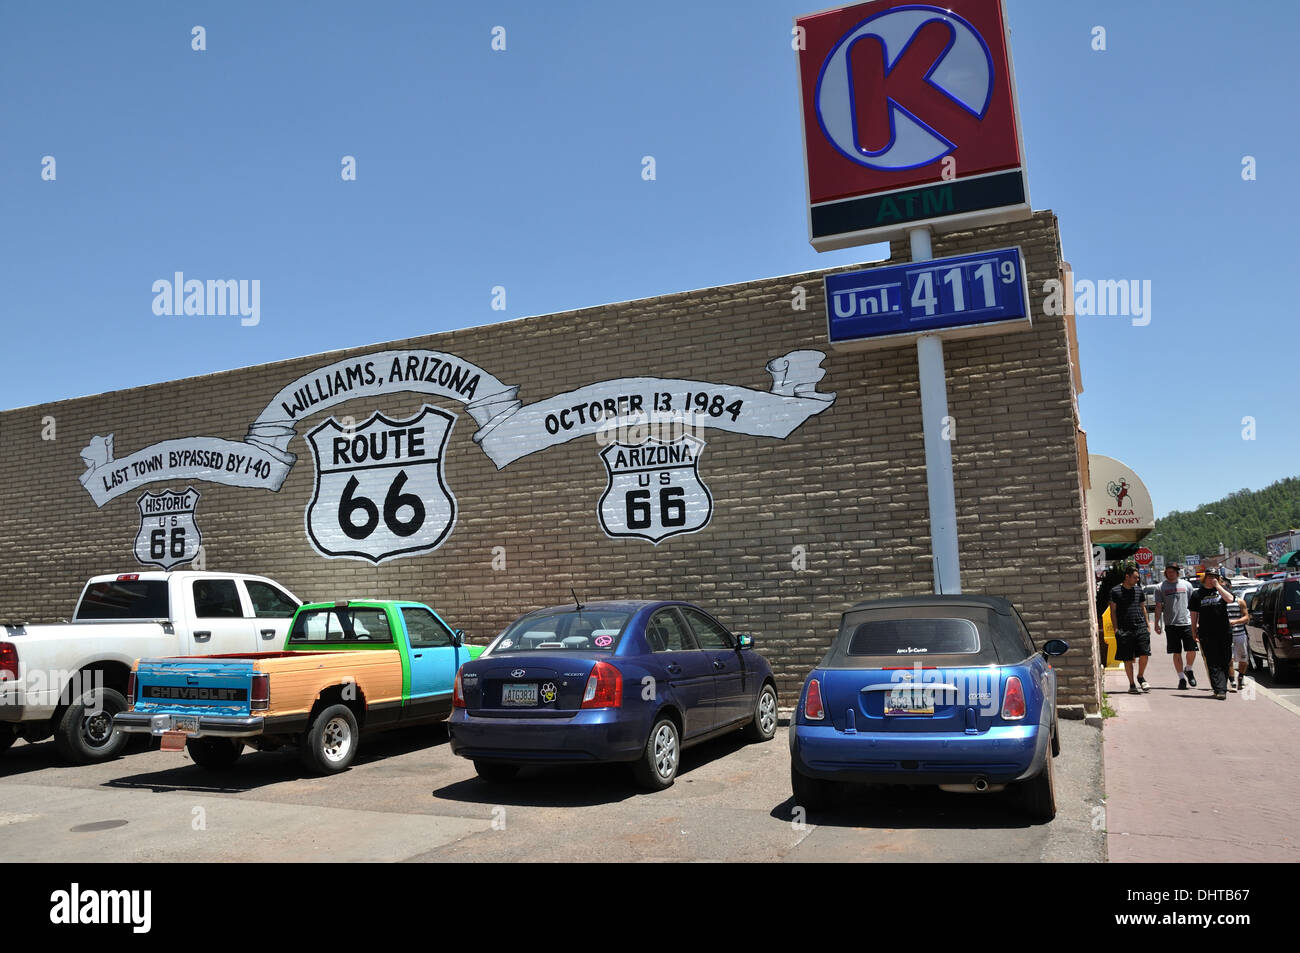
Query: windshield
{"type": "Point", "coordinates": [125, 600]}
{"type": "Point", "coordinates": [341, 624]}
{"type": "Point", "coordinates": [585, 630]}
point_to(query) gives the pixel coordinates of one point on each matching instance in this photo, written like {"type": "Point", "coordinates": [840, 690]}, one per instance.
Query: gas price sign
{"type": "Point", "coordinates": [965, 296]}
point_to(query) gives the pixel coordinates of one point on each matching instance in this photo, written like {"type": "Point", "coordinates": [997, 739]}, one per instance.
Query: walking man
{"type": "Point", "coordinates": [1128, 609]}
{"type": "Point", "coordinates": [1173, 615]}
{"type": "Point", "coordinates": [1212, 628]}
{"type": "Point", "coordinates": [1237, 615]}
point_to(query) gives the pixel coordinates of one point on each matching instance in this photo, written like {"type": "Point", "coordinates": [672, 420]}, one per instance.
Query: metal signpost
{"type": "Point", "coordinates": [911, 124]}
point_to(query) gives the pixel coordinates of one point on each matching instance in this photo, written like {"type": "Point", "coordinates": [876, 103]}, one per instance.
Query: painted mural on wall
{"type": "Point", "coordinates": [361, 510]}
{"type": "Point", "coordinates": [380, 488]}
{"type": "Point", "coordinates": [654, 489]}
{"type": "Point", "coordinates": [168, 535]}
{"type": "Point", "coordinates": [262, 460]}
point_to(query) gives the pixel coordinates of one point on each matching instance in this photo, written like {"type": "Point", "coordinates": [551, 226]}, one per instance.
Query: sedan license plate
{"type": "Point", "coordinates": [518, 696]}
{"type": "Point", "coordinates": [186, 723]}
{"type": "Point", "coordinates": [910, 700]}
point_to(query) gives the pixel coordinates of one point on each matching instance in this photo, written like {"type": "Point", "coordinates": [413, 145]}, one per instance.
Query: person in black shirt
{"type": "Point", "coordinates": [1128, 610]}
{"type": "Point", "coordinates": [1212, 628]}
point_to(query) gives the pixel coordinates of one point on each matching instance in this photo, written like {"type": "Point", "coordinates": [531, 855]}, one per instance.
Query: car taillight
{"type": "Point", "coordinates": [1013, 700]}
{"type": "Point", "coordinates": [604, 687]}
{"type": "Point", "coordinates": [1283, 627]}
{"type": "Point", "coordinates": [260, 697]}
{"type": "Point", "coordinates": [457, 694]}
{"type": "Point", "coordinates": [8, 661]}
{"type": "Point", "coordinates": [130, 689]}
{"type": "Point", "coordinates": [812, 703]}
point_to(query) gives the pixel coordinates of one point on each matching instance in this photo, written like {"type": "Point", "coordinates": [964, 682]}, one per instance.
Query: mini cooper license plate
{"type": "Point", "coordinates": [910, 701]}
{"type": "Point", "coordinates": [185, 723]}
{"type": "Point", "coordinates": [518, 696]}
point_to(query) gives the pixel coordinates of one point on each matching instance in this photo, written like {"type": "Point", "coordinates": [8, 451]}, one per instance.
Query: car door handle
{"type": "Point", "coordinates": [417, 655]}
{"type": "Point", "coordinates": [718, 665]}
{"type": "Point", "coordinates": [202, 636]}
{"type": "Point", "coordinates": [675, 669]}
{"type": "Point", "coordinates": [268, 633]}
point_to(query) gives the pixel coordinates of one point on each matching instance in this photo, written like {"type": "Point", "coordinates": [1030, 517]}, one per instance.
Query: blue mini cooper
{"type": "Point", "coordinates": [933, 690]}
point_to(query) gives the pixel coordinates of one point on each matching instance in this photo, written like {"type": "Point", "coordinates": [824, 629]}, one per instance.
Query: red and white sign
{"type": "Point", "coordinates": [1144, 557]}
{"type": "Point", "coordinates": [910, 118]}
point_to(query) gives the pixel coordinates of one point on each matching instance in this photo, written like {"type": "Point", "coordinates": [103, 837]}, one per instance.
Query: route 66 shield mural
{"type": "Point", "coordinates": [168, 535]}
{"type": "Point", "coordinates": [654, 489]}
{"type": "Point", "coordinates": [380, 490]}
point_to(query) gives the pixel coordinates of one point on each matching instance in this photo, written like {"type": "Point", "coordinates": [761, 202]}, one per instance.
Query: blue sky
{"type": "Point", "coordinates": [522, 169]}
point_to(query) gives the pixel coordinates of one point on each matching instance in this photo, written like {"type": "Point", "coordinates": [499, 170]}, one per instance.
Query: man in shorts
{"type": "Point", "coordinates": [1173, 616]}
{"type": "Point", "coordinates": [1237, 615]}
{"type": "Point", "coordinates": [1128, 610]}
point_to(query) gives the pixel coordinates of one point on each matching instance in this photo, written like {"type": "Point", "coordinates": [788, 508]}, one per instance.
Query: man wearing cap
{"type": "Point", "coordinates": [1128, 610]}
{"type": "Point", "coordinates": [1172, 612]}
{"type": "Point", "coordinates": [1212, 628]}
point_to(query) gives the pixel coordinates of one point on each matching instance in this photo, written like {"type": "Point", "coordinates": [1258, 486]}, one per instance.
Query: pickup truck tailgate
{"type": "Point", "coordinates": [197, 686]}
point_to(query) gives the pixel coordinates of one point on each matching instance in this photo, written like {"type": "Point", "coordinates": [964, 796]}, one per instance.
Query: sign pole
{"type": "Point", "coordinates": [938, 450]}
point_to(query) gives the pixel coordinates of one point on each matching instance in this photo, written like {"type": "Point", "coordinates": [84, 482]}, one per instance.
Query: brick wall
{"type": "Point", "coordinates": [848, 485]}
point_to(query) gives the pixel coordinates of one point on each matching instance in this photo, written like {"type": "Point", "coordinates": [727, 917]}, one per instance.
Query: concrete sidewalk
{"type": "Point", "coordinates": [1189, 778]}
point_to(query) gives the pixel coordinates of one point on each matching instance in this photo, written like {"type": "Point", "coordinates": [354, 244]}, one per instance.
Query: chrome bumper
{"type": "Point", "coordinates": [210, 726]}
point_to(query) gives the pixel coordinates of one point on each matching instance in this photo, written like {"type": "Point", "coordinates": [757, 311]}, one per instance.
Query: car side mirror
{"type": "Point", "coordinates": [745, 641]}
{"type": "Point", "coordinates": [458, 638]}
{"type": "Point", "coordinates": [1055, 647]}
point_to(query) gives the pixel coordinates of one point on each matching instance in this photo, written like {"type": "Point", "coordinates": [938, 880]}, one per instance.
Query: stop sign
{"type": "Point", "coordinates": [1145, 557]}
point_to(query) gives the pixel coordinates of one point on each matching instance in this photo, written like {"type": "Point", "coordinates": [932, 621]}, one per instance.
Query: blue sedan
{"type": "Point", "coordinates": [609, 681]}
{"type": "Point", "coordinates": [935, 690]}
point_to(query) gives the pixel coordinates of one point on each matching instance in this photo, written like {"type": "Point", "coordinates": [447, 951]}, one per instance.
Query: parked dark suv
{"type": "Point", "coordinates": [1273, 632]}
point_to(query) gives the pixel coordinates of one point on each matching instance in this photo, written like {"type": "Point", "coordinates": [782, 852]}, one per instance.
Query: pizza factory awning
{"type": "Point", "coordinates": [1119, 507]}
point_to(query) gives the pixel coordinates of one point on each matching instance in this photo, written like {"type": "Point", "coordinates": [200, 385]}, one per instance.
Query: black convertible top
{"type": "Point", "coordinates": [925, 630]}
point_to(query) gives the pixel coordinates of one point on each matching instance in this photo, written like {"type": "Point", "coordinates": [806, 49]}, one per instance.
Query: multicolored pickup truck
{"type": "Point", "coordinates": [346, 668]}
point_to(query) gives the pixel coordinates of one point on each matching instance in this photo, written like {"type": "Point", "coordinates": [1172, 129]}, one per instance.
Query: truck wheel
{"type": "Point", "coordinates": [85, 734]}
{"type": "Point", "coordinates": [214, 753]}
{"type": "Point", "coordinates": [496, 771]}
{"type": "Point", "coordinates": [763, 727]}
{"type": "Point", "coordinates": [656, 769]}
{"type": "Point", "coordinates": [331, 742]}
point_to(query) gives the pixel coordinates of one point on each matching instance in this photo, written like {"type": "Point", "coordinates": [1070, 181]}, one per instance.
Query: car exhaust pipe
{"type": "Point", "coordinates": [981, 785]}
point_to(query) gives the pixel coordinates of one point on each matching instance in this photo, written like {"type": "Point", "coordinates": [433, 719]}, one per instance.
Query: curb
{"type": "Point", "coordinates": [1277, 699]}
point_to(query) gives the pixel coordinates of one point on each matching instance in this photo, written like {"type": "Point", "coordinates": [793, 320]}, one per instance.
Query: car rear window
{"type": "Point", "coordinates": [125, 600]}
{"type": "Point", "coordinates": [346, 624]}
{"type": "Point", "coordinates": [1291, 595]}
{"type": "Point", "coordinates": [586, 630]}
{"type": "Point", "coordinates": [910, 637]}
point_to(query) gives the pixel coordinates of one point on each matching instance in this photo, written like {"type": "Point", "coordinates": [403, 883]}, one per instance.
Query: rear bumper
{"type": "Point", "coordinates": [210, 726]}
{"type": "Point", "coordinates": [1000, 755]}
{"type": "Point", "coordinates": [587, 737]}
{"type": "Point", "coordinates": [1286, 648]}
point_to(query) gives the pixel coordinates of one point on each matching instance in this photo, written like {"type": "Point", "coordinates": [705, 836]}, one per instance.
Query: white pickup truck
{"type": "Point", "coordinates": [69, 679]}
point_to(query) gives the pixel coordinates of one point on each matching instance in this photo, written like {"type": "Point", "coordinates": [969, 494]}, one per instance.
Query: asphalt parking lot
{"type": "Point", "coordinates": [408, 798]}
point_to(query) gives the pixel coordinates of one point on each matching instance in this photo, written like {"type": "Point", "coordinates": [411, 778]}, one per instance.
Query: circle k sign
{"type": "Point", "coordinates": [909, 118]}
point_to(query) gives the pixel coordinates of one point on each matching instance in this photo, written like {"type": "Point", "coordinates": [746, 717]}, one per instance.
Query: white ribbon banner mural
{"type": "Point", "coordinates": [508, 430]}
